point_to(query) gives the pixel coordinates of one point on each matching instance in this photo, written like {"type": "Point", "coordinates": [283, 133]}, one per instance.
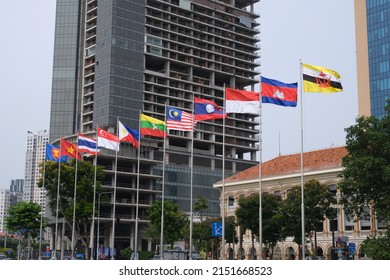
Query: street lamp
{"type": "Point", "coordinates": [98, 224]}
{"type": "Point", "coordinates": [40, 236]}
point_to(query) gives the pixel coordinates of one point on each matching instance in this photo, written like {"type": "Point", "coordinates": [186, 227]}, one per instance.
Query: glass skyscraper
{"type": "Point", "coordinates": [115, 59]}
{"type": "Point", "coordinates": [373, 55]}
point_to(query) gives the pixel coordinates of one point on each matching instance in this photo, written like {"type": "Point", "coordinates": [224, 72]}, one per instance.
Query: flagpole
{"type": "Point", "coordinates": [74, 199]}
{"type": "Point", "coordinates": [192, 174]}
{"type": "Point", "coordinates": [93, 204]}
{"type": "Point", "coordinates": [57, 207]}
{"type": "Point", "coordinates": [223, 177]}
{"type": "Point", "coordinates": [260, 174]}
{"type": "Point", "coordinates": [114, 200]}
{"type": "Point", "coordinates": [302, 166]}
{"type": "Point", "coordinates": [137, 196]}
{"type": "Point", "coordinates": [163, 194]}
{"type": "Point", "coordinates": [43, 190]}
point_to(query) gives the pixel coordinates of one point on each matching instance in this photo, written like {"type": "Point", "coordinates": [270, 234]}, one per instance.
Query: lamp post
{"type": "Point", "coordinates": [40, 236]}
{"type": "Point", "coordinates": [98, 224]}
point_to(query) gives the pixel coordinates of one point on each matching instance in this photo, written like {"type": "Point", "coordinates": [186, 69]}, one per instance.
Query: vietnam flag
{"type": "Point", "coordinates": [69, 149]}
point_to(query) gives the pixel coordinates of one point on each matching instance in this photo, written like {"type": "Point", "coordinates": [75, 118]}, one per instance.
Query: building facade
{"type": "Point", "coordinates": [372, 19]}
{"type": "Point", "coordinates": [115, 59]}
{"type": "Point", "coordinates": [35, 156]}
{"type": "Point", "coordinates": [281, 174]}
{"type": "Point", "coordinates": [7, 199]}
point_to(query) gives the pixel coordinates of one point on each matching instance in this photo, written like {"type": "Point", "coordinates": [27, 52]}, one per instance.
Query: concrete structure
{"type": "Point", "coordinates": [372, 55]}
{"type": "Point", "coordinates": [35, 156]}
{"type": "Point", "coordinates": [115, 59]}
{"type": "Point", "coordinates": [7, 199]}
{"type": "Point", "coordinates": [284, 172]}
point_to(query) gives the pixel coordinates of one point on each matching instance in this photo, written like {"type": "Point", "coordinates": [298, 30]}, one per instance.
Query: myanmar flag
{"type": "Point", "coordinates": [153, 127]}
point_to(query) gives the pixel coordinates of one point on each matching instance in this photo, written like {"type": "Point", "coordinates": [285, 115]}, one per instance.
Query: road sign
{"type": "Point", "coordinates": [352, 248]}
{"type": "Point", "coordinates": [216, 229]}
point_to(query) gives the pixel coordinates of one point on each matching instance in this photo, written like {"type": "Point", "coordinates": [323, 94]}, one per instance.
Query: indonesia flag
{"type": "Point", "coordinates": [107, 140]}
{"type": "Point", "coordinates": [278, 93]}
{"type": "Point", "coordinates": [87, 145]}
{"type": "Point", "coordinates": [242, 101]}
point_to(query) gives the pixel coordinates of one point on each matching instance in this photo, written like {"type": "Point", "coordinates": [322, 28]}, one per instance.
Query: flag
{"type": "Point", "coordinates": [153, 127]}
{"type": "Point", "coordinates": [179, 120]}
{"type": "Point", "coordinates": [207, 110]}
{"type": "Point", "coordinates": [276, 92]}
{"type": "Point", "coordinates": [87, 145]}
{"type": "Point", "coordinates": [69, 149]}
{"type": "Point", "coordinates": [242, 101]}
{"type": "Point", "coordinates": [128, 135]}
{"type": "Point", "coordinates": [107, 140]}
{"type": "Point", "coordinates": [320, 79]}
{"type": "Point", "coordinates": [53, 154]}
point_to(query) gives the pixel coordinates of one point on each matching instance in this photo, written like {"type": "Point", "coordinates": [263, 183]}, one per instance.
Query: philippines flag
{"type": "Point", "coordinates": [128, 135]}
{"type": "Point", "coordinates": [179, 120]}
{"type": "Point", "coordinates": [107, 140]}
{"type": "Point", "coordinates": [242, 101]}
{"type": "Point", "coordinates": [87, 145]}
{"type": "Point", "coordinates": [278, 93]}
{"type": "Point", "coordinates": [207, 110]}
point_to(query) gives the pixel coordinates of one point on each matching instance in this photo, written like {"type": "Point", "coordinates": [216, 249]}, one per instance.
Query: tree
{"type": "Point", "coordinates": [24, 218]}
{"type": "Point", "coordinates": [366, 174]}
{"type": "Point", "coordinates": [377, 248]}
{"type": "Point", "coordinates": [201, 204]}
{"type": "Point", "coordinates": [248, 216]}
{"type": "Point", "coordinates": [84, 194]}
{"type": "Point", "coordinates": [175, 221]}
{"type": "Point", "coordinates": [273, 221]}
{"type": "Point", "coordinates": [317, 201]}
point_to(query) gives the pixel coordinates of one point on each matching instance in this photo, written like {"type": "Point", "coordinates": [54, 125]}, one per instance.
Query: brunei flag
{"type": "Point", "coordinates": [320, 79]}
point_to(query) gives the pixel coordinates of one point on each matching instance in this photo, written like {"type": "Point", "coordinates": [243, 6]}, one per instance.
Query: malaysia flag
{"type": "Point", "coordinates": [87, 145]}
{"type": "Point", "coordinates": [242, 101]}
{"type": "Point", "coordinates": [278, 93]}
{"type": "Point", "coordinates": [107, 140]}
{"type": "Point", "coordinates": [179, 120]}
{"type": "Point", "coordinates": [207, 110]}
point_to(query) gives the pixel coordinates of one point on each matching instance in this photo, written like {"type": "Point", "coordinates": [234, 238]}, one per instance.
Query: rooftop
{"type": "Point", "coordinates": [290, 164]}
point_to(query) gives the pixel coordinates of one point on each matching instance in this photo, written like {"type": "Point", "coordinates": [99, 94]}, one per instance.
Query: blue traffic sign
{"type": "Point", "coordinates": [216, 229]}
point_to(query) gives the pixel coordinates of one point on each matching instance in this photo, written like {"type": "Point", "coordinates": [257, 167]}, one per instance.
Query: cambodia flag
{"type": "Point", "coordinates": [207, 110]}
{"type": "Point", "coordinates": [278, 93]}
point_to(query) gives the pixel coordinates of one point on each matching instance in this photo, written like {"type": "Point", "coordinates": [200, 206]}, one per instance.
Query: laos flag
{"type": "Point", "coordinates": [276, 92]}
{"type": "Point", "coordinates": [207, 110]}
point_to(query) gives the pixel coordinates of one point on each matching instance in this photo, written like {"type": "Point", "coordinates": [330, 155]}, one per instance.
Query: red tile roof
{"type": "Point", "coordinates": [290, 164]}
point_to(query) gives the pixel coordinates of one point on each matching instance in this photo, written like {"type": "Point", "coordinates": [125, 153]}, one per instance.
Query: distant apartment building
{"type": "Point", "coordinates": [35, 156]}
{"type": "Point", "coordinates": [8, 198]}
{"type": "Point", "coordinates": [4, 205]}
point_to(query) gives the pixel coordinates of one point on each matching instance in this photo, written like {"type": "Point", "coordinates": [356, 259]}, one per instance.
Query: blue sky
{"type": "Point", "coordinates": [315, 32]}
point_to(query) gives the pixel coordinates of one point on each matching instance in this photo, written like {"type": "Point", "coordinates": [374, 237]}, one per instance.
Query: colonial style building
{"type": "Point", "coordinates": [281, 174]}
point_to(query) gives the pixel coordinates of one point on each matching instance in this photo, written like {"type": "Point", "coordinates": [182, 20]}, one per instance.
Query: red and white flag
{"type": "Point", "coordinates": [242, 101]}
{"type": "Point", "coordinates": [107, 140]}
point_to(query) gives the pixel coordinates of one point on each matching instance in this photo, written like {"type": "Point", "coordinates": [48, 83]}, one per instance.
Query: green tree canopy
{"type": "Point", "coordinates": [66, 187]}
{"type": "Point", "coordinates": [175, 221]}
{"type": "Point", "coordinates": [317, 205]}
{"type": "Point", "coordinates": [366, 175]}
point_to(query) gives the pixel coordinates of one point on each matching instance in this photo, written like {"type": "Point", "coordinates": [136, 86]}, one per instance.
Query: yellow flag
{"type": "Point", "coordinates": [320, 79]}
